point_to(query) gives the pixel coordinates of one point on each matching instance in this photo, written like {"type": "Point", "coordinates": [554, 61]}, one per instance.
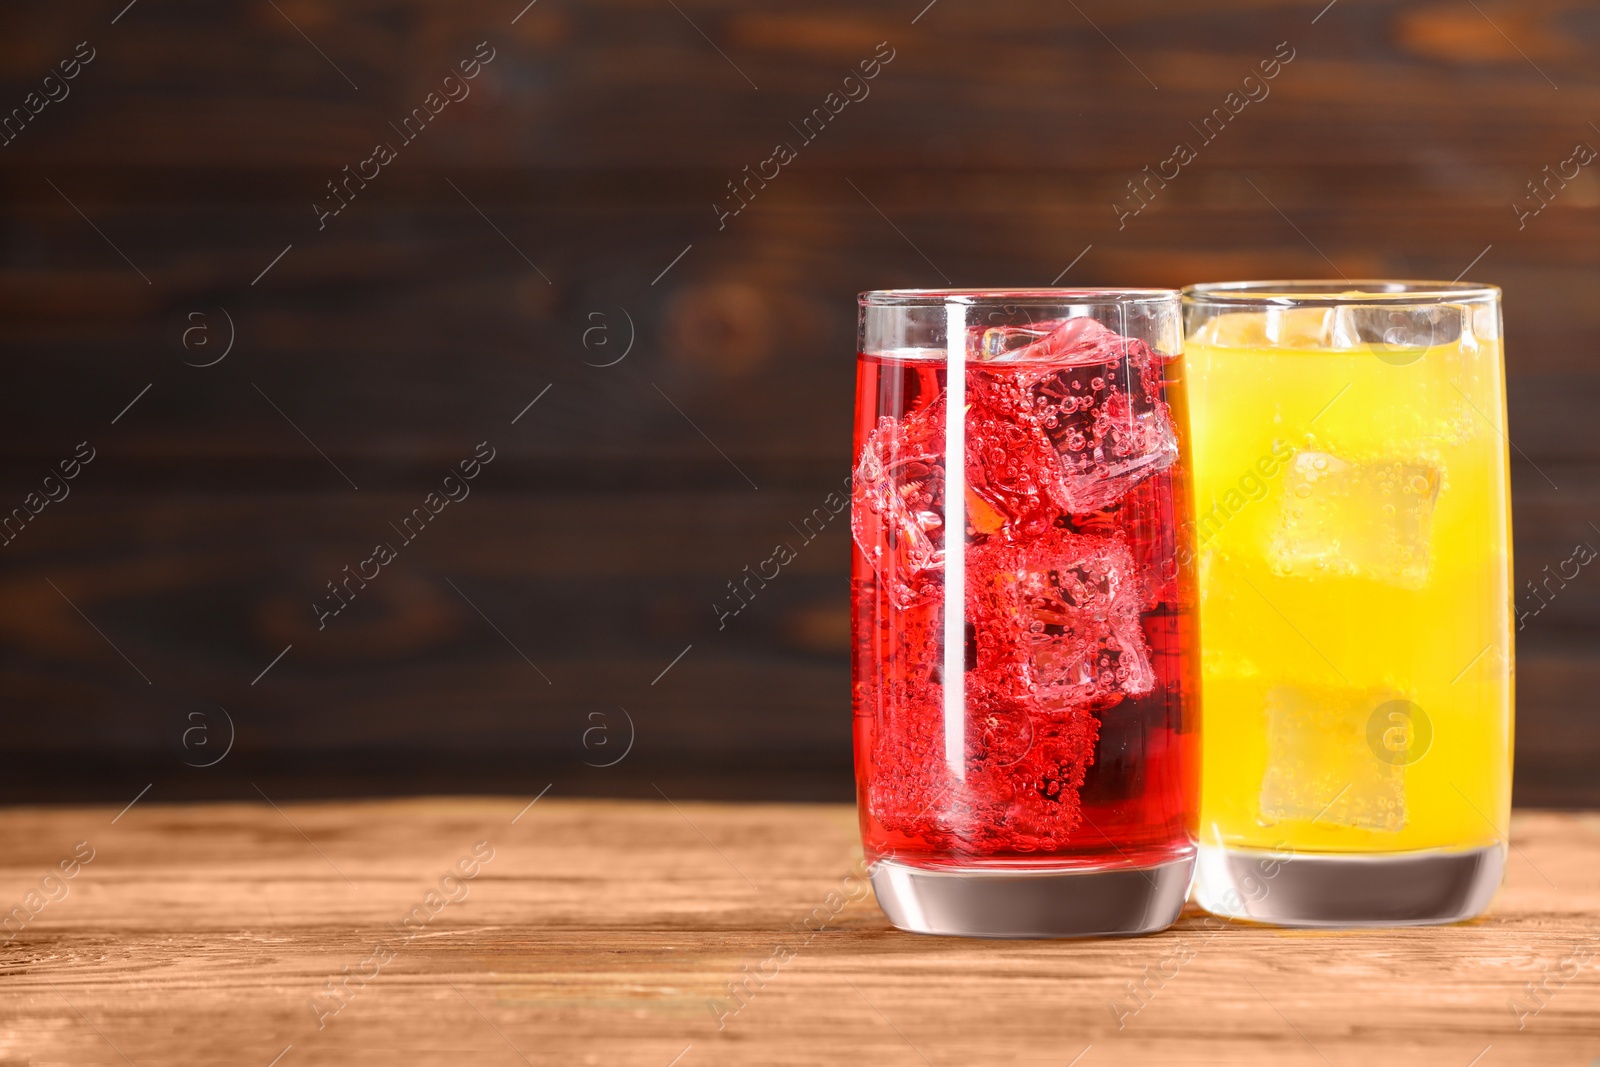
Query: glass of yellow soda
{"type": "Point", "coordinates": [1353, 532]}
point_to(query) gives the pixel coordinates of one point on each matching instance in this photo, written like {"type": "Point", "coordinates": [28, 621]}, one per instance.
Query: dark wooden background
{"type": "Point", "coordinates": [989, 152]}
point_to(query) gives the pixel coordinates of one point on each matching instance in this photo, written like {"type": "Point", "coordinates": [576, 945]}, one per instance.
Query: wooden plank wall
{"type": "Point", "coordinates": [556, 235]}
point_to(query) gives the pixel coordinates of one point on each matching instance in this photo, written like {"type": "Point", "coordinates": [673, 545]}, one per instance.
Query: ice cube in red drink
{"type": "Point", "coordinates": [1079, 598]}
{"type": "Point", "coordinates": [1009, 462]}
{"type": "Point", "coordinates": [897, 517]}
{"type": "Point", "coordinates": [900, 480]}
{"type": "Point", "coordinates": [1097, 396]}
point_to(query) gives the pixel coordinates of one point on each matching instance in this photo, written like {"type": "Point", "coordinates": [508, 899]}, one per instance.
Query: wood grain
{"type": "Point", "coordinates": [604, 932]}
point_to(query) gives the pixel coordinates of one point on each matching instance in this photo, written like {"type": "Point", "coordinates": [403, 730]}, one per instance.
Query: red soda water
{"type": "Point", "coordinates": [1080, 712]}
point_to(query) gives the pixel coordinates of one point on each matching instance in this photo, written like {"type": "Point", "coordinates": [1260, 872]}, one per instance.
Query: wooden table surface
{"type": "Point", "coordinates": [606, 932]}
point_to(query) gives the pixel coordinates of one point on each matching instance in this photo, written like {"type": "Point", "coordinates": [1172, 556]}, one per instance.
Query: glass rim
{"type": "Point", "coordinates": [1341, 293]}
{"type": "Point", "coordinates": [1031, 296]}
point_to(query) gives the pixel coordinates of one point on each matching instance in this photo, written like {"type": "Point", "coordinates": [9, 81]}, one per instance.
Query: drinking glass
{"type": "Point", "coordinates": [1025, 721]}
{"type": "Point", "coordinates": [1354, 538]}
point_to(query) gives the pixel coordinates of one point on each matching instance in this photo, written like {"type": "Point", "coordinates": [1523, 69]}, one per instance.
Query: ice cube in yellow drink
{"type": "Point", "coordinates": [1353, 534]}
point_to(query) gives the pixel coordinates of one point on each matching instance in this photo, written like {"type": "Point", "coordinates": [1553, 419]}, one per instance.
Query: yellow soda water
{"type": "Point", "coordinates": [1353, 534]}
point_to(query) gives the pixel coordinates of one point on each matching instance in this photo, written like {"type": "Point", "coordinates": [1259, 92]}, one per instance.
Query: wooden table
{"type": "Point", "coordinates": [604, 932]}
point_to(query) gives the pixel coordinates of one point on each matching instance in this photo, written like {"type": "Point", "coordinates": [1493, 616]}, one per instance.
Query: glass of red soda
{"type": "Point", "coordinates": [1025, 668]}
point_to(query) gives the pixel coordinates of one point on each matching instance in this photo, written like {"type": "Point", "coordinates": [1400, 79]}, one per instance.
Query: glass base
{"type": "Point", "coordinates": [1330, 889]}
{"type": "Point", "coordinates": [1022, 903]}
